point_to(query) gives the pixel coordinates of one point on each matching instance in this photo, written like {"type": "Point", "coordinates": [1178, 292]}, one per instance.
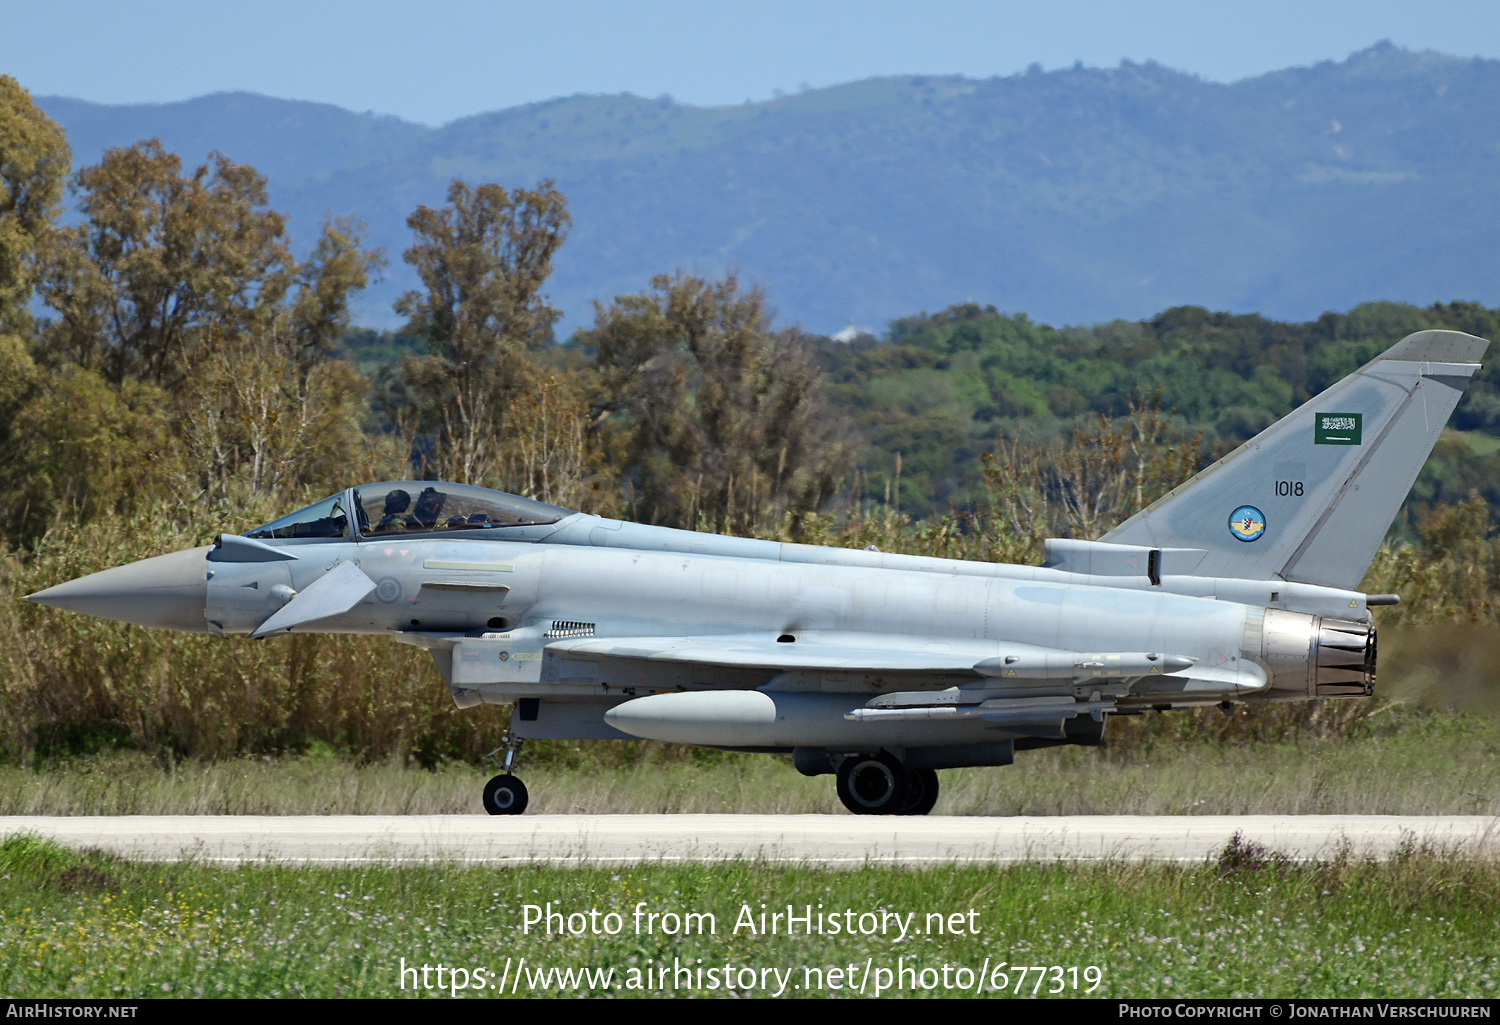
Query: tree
{"type": "Point", "coordinates": [179, 297]}
{"type": "Point", "coordinates": [164, 264]}
{"type": "Point", "coordinates": [267, 408]}
{"type": "Point", "coordinates": [482, 259]}
{"type": "Point", "coordinates": [81, 449]}
{"type": "Point", "coordinates": [1082, 486]}
{"type": "Point", "coordinates": [34, 160]}
{"type": "Point", "coordinates": [549, 450]}
{"type": "Point", "coordinates": [722, 421]}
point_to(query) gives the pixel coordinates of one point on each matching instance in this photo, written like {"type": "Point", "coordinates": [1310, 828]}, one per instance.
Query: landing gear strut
{"type": "Point", "coordinates": [879, 784]}
{"type": "Point", "coordinates": [506, 794]}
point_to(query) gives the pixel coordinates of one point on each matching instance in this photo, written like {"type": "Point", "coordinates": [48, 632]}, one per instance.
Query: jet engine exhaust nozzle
{"type": "Point", "coordinates": [1345, 659]}
{"type": "Point", "coordinates": [1318, 656]}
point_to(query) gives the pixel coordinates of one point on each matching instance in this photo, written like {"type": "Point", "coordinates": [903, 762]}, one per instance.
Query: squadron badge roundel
{"type": "Point", "coordinates": [1247, 523]}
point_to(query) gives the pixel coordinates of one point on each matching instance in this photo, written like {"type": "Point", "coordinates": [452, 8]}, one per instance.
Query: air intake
{"type": "Point", "coordinates": [567, 628]}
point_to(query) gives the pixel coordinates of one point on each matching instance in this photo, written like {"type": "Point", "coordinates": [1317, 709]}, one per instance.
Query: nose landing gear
{"type": "Point", "coordinates": [506, 794]}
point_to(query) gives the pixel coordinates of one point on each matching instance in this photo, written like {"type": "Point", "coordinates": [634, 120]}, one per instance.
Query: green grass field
{"type": "Point", "coordinates": [1250, 924]}
{"type": "Point", "coordinates": [1403, 762]}
{"type": "Point", "coordinates": [89, 925]}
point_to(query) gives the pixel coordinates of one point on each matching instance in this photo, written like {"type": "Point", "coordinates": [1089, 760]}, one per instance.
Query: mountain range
{"type": "Point", "coordinates": [1076, 196]}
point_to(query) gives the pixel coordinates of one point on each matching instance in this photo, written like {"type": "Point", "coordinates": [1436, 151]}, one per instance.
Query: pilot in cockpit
{"type": "Point", "coordinates": [425, 513]}
{"type": "Point", "coordinates": [394, 516]}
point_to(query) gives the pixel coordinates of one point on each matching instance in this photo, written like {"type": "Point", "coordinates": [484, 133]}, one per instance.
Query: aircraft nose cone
{"type": "Point", "coordinates": [168, 592]}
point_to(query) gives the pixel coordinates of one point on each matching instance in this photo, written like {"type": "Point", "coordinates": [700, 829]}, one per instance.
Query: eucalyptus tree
{"type": "Point", "coordinates": [190, 351]}
{"type": "Point", "coordinates": [34, 160]}
{"type": "Point", "coordinates": [482, 260]}
{"type": "Point", "coordinates": [722, 420]}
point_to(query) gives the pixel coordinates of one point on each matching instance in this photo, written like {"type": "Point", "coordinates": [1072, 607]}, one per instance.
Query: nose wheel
{"type": "Point", "coordinates": [505, 794]}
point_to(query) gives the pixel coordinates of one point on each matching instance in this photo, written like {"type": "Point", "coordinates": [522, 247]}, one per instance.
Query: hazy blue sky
{"type": "Point", "coordinates": [443, 59]}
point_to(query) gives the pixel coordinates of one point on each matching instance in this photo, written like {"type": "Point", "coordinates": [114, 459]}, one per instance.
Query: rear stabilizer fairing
{"type": "Point", "coordinates": [1102, 562]}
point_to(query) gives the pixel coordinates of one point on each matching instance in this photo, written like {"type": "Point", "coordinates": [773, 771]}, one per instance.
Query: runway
{"type": "Point", "coordinates": [832, 840]}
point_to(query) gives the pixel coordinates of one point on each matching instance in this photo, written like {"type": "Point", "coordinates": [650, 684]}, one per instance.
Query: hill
{"type": "Point", "coordinates": [1077, 195]}
{"type": "Point", "coordinates": [944, 386]}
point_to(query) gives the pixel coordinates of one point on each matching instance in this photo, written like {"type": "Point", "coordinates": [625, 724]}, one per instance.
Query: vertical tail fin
{"type": "Point", "coordinates": [1311, 497]}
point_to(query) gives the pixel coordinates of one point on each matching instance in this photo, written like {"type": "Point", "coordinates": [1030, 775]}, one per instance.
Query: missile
{"type": "Point", "coordinates": [1082, 666]}
{"type": "Point", "coordinates": [999, 710]}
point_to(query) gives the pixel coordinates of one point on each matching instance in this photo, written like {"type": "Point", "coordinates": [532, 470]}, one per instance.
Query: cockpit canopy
{"type": "Point", "coordinates": [410, 507]}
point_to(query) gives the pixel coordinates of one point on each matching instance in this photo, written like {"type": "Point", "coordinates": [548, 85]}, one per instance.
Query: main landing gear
{"type": "Point", "coordinates": [506, 794]}
{"type": "Point", "coordinates": [879, 784]}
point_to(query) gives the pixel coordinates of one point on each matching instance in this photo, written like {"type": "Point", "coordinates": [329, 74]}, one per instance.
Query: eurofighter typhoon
{"type": "Point", "coordinates": [878, 669]}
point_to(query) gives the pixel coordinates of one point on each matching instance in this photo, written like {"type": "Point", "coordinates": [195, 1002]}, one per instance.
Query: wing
{"type": "Point", "coordinates": [850, 652]}
{"type": "Point", "coordinates": [842, 652]}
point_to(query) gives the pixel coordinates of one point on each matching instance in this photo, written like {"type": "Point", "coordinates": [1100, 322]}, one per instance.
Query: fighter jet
{"type": "Point", "coordinates": [1240, 586]}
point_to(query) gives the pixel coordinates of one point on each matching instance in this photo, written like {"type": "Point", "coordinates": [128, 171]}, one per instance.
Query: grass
{"type": "Point", "coordinates": [1250, 924]}
{"type": "Point", "coordinates": [1405, 762]}
{"type": "Point", "coordinates": [1427, 745]}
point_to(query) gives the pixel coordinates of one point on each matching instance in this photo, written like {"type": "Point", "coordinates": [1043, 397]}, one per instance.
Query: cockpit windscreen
{"type": "Point", "coordinates": [327, 518]}
{"type": "Point", "coordinates": [426, 507]}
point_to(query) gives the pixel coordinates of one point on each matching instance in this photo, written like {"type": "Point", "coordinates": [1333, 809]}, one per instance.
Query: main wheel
{"type": "Point", "coordinates": [505, 795]}
{"type": "Point", "coordinates": [872, 784]}
{"type": "Point", "coordinates": [921, 792]}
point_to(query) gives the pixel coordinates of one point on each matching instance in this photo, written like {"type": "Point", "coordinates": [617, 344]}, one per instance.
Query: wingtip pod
{"type": "Point", "coordinates": [1437, 346]}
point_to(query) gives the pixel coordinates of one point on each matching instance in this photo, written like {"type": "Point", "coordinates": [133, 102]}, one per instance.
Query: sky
{"type": "Point", "coordinates": [439, 60]}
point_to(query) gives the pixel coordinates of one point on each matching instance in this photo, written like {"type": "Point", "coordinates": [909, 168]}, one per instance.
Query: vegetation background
{"type": "Point", "coordinates": [171, 369]}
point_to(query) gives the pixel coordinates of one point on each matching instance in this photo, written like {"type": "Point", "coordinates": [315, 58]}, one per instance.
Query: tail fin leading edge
{"type": "Point", "coordinates": [1311, 497]}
